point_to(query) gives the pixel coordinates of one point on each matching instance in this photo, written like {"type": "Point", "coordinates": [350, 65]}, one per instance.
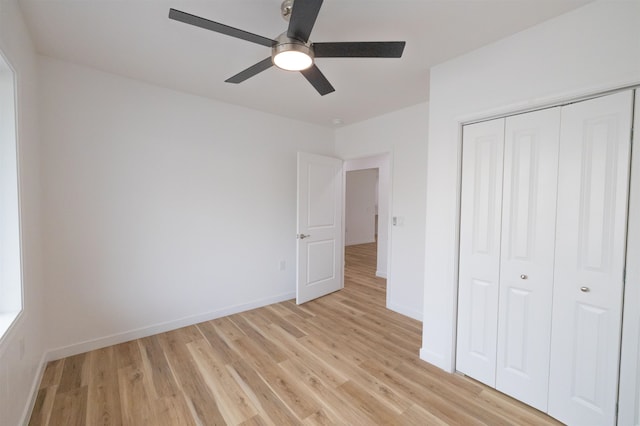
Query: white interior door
{"type": "Point", "coordinates": [319, 239]}
{"type": "Point", "coordinates": [589, 265]}
{"type": "Point", "coordinates": [526, 266]}
{"type": "Point", "coordinates": [479, 273]}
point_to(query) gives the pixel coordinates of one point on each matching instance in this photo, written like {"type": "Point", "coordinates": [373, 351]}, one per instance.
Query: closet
{"type": "Point", "coordinates": [542, 246]}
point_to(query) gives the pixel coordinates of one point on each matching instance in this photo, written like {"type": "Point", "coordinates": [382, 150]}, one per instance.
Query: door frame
{"type": "Point", "coordinates": [629, 386]}
{"type": "Point", "coordinates": [382, 162]}
{"type": "Point", "coordinates": [629, 367]}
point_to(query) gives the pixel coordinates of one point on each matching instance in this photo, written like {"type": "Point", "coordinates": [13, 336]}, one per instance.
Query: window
{"type": "Point", "coordinates": [10, 265]}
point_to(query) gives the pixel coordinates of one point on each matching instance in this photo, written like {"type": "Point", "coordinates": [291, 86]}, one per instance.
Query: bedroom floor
{"type": "Point", "coordinates": [340, 359]}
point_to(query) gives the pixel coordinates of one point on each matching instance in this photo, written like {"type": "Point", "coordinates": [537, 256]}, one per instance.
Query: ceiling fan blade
{"type": "Point", "coordinates": [303, 17]}
{"type": "Point", "coordinates": [318, 80]}
{"type": "Point", "coordinates": [197, 21]}
{"type": "Point", "coordinates": [359, 49]}
{"type": "Point", "coordinates": [251, 71]}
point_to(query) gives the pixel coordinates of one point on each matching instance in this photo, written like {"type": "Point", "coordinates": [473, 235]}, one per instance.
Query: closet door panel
{"type": "Point", "coordinates": [589, 263]}
{"type": "Point", "coordinates": [480, 250]}
{"type": "Point", "coordinates": [526, 269]}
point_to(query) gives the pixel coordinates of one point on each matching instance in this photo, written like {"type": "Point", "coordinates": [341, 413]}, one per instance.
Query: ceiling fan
{"type": "Point", "coordinates": [292, 50]}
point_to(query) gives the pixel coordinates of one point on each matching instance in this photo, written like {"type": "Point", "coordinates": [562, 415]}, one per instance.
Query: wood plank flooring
{"type": "Point", "coordinates": [342, 359]}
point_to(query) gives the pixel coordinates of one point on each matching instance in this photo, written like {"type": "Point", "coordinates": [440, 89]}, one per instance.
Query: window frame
{"type": "Point", "coordinates": [12, 311]}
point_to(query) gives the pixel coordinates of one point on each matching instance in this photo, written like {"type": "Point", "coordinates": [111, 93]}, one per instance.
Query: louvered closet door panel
{"type": "Point", "coordinates": [480, 249]}
{"type": "Point", "coordinates": [589, 263]}
{"type": "Point", "coordinates": [526, 270]}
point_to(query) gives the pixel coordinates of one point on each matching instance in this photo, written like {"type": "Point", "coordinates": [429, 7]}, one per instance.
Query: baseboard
{"type": "Point", "coordinates": [359, 242]}
{"type": "Point", "coordinates": [138, 333]}
{"type": "Point", "coordinates": [407, 312]}
{"type": "Point", "coordinates": [114, 339]}
{"type": "Point", "coordinates": [381, 274]}
{"type": "Point", "coordinates": [436, 359]}
{"type": "Point", "coordinates": [35, 385]}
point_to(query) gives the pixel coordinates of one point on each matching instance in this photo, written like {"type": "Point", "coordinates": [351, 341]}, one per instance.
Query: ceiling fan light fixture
{"type": "Point", "coordinates": [292, 60]}
{"type": "Point", "coordinates": [292, 55]}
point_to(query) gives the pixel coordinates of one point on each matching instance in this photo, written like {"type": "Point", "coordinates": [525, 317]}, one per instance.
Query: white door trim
{"type": "Point", "coordinates": [382, 162]}
{"type": "Point", "coordinates": [629, 390]}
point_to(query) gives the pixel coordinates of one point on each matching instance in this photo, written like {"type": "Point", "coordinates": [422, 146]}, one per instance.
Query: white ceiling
{"type": "Point", "coordinates": [135, 38]}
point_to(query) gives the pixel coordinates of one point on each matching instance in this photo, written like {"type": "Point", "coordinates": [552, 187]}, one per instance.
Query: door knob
{"type": "Point", "coordinates": [303, 236]}
{"type": "Point", "coordinates": [523, 277]}
{"type": "Point", "coordinates": [585, 289]}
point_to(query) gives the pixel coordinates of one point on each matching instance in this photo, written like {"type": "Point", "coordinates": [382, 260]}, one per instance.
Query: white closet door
{"type": "Point", "coordinates": [480, 250]}
{"type": "Point", "coordinates": [589, 263]}
{"type": "Point", "coordinates": [526, 270]}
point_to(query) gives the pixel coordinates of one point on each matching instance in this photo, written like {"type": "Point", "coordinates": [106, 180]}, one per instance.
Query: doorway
{"type": "Point", "coordinates": [361, 207]}
{"type": "Point", "coordinates": [361, 225]}
{"type": "Point", "coordinates": [366, 216]}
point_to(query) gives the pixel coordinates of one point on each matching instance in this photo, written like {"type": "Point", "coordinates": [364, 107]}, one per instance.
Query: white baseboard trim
{"type": "Point", "coordinates": [407, 312]}
{"type": "Point", "coordinates": [381, 274]}
{"type": "Point", "coordinates": [33, 391]}
{"type": "Point", "coordinates": [141, 332]}
{"type": "Point", "coordinates": [359, 242]}
{"type": "Point", "coordinates": [114, 339]}
{"type": "Point", "coordinates": [436, 359]}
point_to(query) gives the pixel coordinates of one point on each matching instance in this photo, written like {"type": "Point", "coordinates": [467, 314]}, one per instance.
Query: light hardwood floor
{"type": "Point", "coordinates": [342, 359]}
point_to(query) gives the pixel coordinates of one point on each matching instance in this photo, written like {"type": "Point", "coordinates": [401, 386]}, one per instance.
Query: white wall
{"type": "Point", "coordinates": [360, 206]}
{"type": "Point", "coordinates": [22, 348]}
{"type": "Point", "coordinates": [161, 208]}
{"type": "Point", "coordinates": [591, 49]}
{"type": "Point", "coordinates": [403, 134]}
